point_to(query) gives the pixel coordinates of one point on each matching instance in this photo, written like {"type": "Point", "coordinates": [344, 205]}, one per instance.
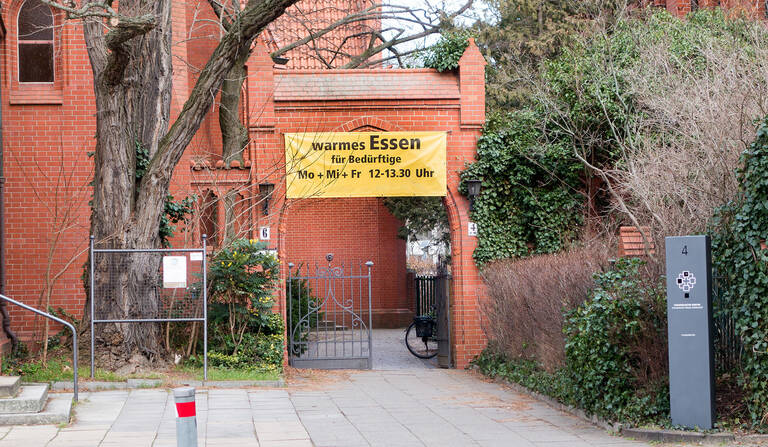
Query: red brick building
{"type": "Point", "coordinates": [48, 123]}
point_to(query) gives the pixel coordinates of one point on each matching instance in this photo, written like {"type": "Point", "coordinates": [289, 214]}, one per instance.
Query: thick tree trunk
{"type": "Point", "coordinates": [133, 112]}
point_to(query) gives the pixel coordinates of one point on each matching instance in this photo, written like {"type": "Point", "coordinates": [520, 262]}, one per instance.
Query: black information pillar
{"type": "Point", "coordinates": [689, 314]}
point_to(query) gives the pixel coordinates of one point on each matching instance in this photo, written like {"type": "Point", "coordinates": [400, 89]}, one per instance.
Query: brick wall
{"type": "Point", "coordinates": [48, 131]}
{"type": "Point", "coordinates": [753, 8]}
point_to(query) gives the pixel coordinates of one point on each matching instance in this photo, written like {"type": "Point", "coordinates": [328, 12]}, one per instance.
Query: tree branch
{"type": "Point", "coordinates": [94, 13]}
{"type": "Point", "coordinates": [127, 30]}
{"type": "Point", "coordinates": [238, 39]}
{"type": "Point", "coordinates": [430, 22]}
{"type": "Point", "coordinates": [119, 57]}
{"type": "Point", "coordinates": [88, 9]}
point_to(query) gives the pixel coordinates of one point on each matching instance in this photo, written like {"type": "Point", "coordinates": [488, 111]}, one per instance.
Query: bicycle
{"type": "Point", "coordinates": [421, 336]}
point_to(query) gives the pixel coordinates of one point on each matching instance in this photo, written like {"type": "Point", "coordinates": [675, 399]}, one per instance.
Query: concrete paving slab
{"type": "Point", "coordinates": [420, 407]}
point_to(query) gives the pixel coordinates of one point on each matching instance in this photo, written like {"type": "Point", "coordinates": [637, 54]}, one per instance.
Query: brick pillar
{"type": "Point", "coordinates": [472, 86]}
{"type": "Point", "coordinates": [679, 8]}
{"type": "Point", "coordinates": [467, 288]}
{"type": "Point", "coordinates": [261, 123]}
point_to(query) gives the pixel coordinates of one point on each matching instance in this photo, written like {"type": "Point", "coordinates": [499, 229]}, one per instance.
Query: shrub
{"type": "Point", "coordinates": [527, 373]}
{"type": "Point", "coordinates": [615, 348]}
{"type": "Point", "coordinates": [241, 280]}
{"type": "Point", "coordinates": [528, 298]}
{"type": "Point", "coordinates": [258, 351]}
{"type": "Point", "coordinates": [445, 54]}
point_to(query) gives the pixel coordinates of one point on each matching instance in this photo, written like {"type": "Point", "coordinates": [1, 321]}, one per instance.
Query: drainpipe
{"type": "Point", "coordinates": [3, 311]}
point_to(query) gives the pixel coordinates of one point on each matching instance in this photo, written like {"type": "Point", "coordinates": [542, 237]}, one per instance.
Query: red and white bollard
{"type": "Point", "coordinates": [186, 417]}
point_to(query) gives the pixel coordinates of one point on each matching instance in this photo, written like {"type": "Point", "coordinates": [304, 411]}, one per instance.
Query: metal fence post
{"type": "Point", "coordinates": [90, 292]}
{"type": "Point", "coordinates": [186, 417]}
{"type": "Point", "coordinates": [205, 308]}
{"type": "Point", "coordinates": [289, 310]}
{"type": "Point", "coordinates": [370, 318]}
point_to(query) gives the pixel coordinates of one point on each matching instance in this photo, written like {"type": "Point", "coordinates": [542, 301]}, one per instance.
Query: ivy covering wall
{"type": "Point", "coordinates": [530, 201]}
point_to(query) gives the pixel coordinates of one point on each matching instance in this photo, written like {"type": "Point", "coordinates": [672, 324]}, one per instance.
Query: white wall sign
{"type": "Point", "coordinates": [195, 256]}
{"type": "Point", "coordinates": [472, 229]}
{"type": "Point", "coordinates": [264, 233]}
{"type": "Point", "coordinates": [174, 272]}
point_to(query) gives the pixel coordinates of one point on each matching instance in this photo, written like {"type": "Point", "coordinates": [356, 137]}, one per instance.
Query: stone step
{"type": "Point", "coordinates": [56, 411]}
{"type": "Point", "coordinates": [31, 399]}
{"type": "Point", "coordinates": [9, 386]}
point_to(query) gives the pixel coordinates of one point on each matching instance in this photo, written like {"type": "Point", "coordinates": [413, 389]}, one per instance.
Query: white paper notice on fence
{"type": "Point", "coordinates": [174, 272]}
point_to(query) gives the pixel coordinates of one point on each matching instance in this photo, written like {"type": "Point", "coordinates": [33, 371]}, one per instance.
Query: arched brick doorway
{"type": "Point", "coordinates": [292, 101]}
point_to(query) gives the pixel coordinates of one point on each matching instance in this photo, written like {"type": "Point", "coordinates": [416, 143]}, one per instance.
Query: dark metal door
{"type": "Point", "coordinates": [329, 316]}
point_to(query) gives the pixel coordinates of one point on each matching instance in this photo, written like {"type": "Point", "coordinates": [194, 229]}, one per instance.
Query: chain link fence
{"type": "Point", "coordinates": [140, 286]}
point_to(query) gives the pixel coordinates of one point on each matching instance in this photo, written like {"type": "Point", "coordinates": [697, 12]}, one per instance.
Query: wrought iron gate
{"type": "Point", "coordinates": [329, 316]}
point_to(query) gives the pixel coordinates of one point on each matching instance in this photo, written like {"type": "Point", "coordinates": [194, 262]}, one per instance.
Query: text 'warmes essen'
{"type": "Point", "coordinates": [375, 143]}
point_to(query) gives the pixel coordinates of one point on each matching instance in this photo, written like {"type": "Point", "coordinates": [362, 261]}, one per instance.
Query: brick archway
{"type": "Point", "coordinates": [368, 124]}
{"type": "Point", "coordinates": [374, 100]}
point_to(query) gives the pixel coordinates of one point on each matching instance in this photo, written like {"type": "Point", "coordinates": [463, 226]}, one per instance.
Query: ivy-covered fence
{"type": "Point", "coordinates": [741, 260]}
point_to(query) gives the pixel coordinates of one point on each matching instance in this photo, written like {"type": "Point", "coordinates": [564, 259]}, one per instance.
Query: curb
{"type": "Point", "coordinates": [131, 384]}
{"type": "Point", "coordinates": [108, 386]}
{"type": "Point", "coordinates": [646, 434]}
{"type": "Point", "coordinates": [233, 383]}
{"type": "Point", "coordinates": [641, 434]}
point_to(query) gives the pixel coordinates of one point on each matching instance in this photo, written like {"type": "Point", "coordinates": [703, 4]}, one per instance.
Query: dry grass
{"type": "Point", "coordinates": [524, 313]}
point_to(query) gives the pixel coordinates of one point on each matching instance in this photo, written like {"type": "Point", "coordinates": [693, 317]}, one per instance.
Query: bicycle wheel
{"type": "Point", "coordinates": [421, 347]}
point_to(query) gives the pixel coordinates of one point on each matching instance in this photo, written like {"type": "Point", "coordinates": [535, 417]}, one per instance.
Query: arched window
{"type": "Point", "coordinates": [35, 38]}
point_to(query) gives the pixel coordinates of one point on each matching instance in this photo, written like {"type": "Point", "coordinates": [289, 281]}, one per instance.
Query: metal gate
{"type": "Point", "coordinates": [329, 316]}
{"type": "Point", "coordinates": [432, 293]}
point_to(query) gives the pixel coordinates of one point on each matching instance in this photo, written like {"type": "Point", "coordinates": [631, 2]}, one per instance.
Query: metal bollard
{"type": "Point", "coordinates": [186, 417]}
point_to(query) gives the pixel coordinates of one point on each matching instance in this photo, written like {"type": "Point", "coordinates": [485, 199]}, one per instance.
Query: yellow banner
{"type": "Point", "coordinates": [365, 164]}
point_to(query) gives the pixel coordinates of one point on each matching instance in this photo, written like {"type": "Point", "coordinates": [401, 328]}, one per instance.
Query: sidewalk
{"type": "Point", "coordinates": [424, 407]}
